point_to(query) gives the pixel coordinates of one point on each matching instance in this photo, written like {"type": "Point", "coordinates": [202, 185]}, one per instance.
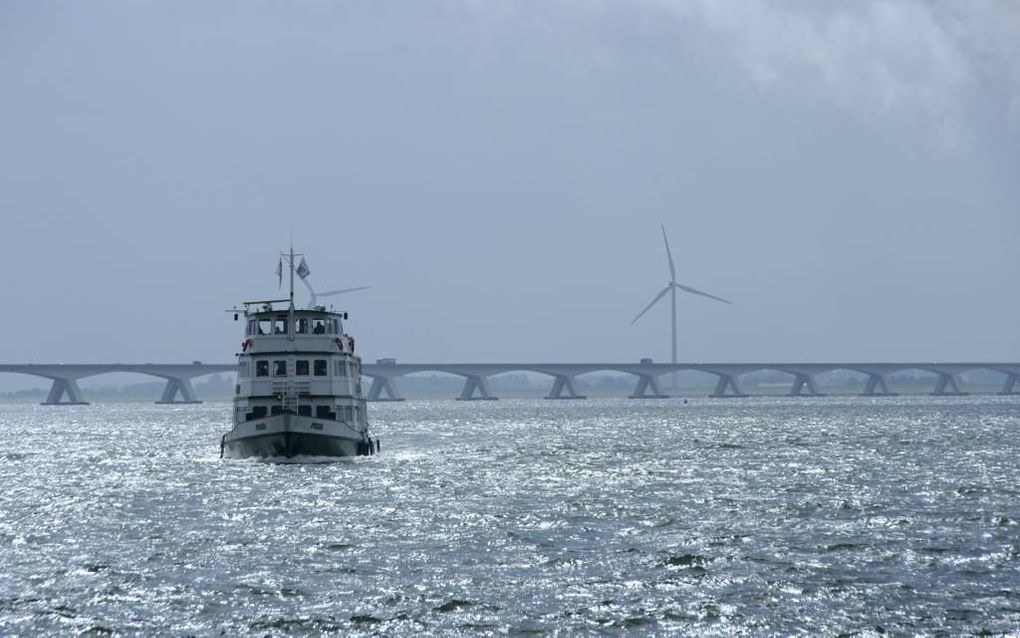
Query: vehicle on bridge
{"type": "Point", "coordinates": [298, 395]}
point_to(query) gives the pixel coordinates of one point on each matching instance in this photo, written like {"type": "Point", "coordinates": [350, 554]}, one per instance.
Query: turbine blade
{"type": "Point", "coordinates": [330, 293]}
{"type": "Point", "coordinates": [703, 294]}
{"type": "Point", "coordinates": [311, 293]}
{"type": "Point", "coordinates": [304, 280]}
{"type": "Point", "coordinates": [669, 255]}
{"type": "Point", "coordinates": [649, 306]}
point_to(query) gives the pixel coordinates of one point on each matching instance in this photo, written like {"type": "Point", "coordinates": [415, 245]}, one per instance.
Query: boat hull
{"type": "Point", "coordinates": [289, 437]}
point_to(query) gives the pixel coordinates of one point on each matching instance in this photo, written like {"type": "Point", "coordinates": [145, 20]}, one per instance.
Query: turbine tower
{"type": "Point", "coordinates": [671, 288]}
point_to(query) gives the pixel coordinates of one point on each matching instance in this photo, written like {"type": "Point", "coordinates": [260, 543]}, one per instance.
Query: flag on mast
{"type": "Point", "coordinates": [302, 269]}
{"type": "Point", "coordinates": [279, 273]}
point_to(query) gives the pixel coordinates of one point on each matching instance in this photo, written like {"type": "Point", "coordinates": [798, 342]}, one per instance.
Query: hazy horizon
{"type": "Point", "coordinates": [497, 172]}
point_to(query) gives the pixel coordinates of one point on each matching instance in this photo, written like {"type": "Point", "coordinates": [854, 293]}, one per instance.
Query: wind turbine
{"type": "Point", "coordinates": [671, 288]}
{"type": "Point", "coordinates": [329, 293]}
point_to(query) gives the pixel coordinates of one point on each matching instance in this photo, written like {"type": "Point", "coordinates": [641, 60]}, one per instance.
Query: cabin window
{"type": "Point", "coordinates": [348, 414]}
{"type": "Point", "coordinates": [301, 367]}
{"type": "Point", "coordinates": [280, 368]}
{"type": "Point", "coordinates": [323, 412]}
{"type": "Point", "coordinates": [336, 326]}
{"type": "Point", "coordinates": [257, 412]}
{"type": "Point", "coordinates": [320, 368]}
{"type": "Point", "coordinates": [251, 327]}
{"type": "Point", "coordinates": [318, 326]}
{"type": "Point", "coordinates": [280, 325]}
{"type": "Point", "coordinates": [341, 369]}
{"type": "Point", "coordinates": [265, 326]}
{"type": "Point", "coordinates": [301, 326]}
{"type": "Point", "coordinates": [276, 409]}
{"type": "Point", "coordinates": [357, 413]}
{"type": "Point", "coordinates": [304, 410]}
{"type": "Point", "coordinates": [242, 369]}
{"type": "Point", "coordinates": [262, 368]}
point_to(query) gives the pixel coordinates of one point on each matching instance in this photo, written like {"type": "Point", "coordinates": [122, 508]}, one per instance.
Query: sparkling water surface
{"type": "Point", "coordinates": [719, 517]}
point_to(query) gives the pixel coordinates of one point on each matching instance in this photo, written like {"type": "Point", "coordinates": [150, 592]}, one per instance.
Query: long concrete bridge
{"type": "Point", "coordinates": [65, 377]}
{"type": "Point", "coordinates": [476, 387]}
{"type": "Point", "coordinates": [385, 373]}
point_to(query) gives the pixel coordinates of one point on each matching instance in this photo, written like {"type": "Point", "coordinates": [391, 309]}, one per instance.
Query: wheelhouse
{"type": "Point", "coordinates": [296, 323]}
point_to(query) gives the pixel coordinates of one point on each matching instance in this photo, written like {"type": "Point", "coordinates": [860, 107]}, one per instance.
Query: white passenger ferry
{"type": "Point", "coordinates": [298, 394]}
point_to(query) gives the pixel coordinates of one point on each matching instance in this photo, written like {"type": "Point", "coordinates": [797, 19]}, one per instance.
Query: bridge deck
{"type": "Point", "coordinates": [385, 371]}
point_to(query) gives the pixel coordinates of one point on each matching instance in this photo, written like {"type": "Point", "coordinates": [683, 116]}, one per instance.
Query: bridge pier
{"type": "Point", "coordinates": [876, 387]}
{"type": "Point", "coordinates": [60, 388]}
{"type": "Point", "coordinates": [175, 386]}
{"type": "Point", "coordinates": [726, 382]}
{"type": "Point", "coordinates": [479, 384]}
{"type": "Point", "coordinates": [1012, 380]}
{"type": "Point", "coordinates": [802, 381]}
{"type": "Point", "coordinates": [947, 380]}
{"type": "Point", "coordinates": [381, 385]}
{"type": "Point", "coordinates": [645, 383]}
{"type": "Point", "coordinates": [562, 383]}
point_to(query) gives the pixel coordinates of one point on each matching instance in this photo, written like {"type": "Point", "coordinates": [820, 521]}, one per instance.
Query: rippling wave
{"type": "Point", "coordinates": [751, 516]}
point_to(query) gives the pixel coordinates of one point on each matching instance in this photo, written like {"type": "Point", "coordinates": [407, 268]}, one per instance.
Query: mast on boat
{"type": "Point", "coordinates": [290, 309]}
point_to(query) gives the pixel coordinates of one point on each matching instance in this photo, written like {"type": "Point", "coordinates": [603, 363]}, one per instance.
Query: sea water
{"type": "Point", "coordinates": [716, 517]}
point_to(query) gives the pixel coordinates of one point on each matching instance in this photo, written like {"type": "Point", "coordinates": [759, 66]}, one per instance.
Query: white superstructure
{"type": "Point", "coordinates": [298, 388]}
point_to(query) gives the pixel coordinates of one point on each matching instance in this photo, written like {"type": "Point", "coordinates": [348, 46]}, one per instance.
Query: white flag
{"type": "Point", "coordinates": [302, 269]}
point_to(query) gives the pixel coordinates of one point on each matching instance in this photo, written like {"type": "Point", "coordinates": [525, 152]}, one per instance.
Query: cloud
{"type": "Point", "coordinates": [989, 30]}
{"type": "Point", "coordinates": [879, 55]}
{"type": "Point", "coordinates": [928, 62]}
{"type": "Point", "coordinates": [908, 58]}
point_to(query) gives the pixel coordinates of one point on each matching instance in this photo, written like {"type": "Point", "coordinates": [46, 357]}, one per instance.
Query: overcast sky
{"type": "Point", "coordinates": [848, 174]}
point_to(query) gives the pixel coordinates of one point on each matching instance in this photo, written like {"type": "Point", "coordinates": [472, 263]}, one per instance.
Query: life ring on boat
{"type": "Point", "coordinates": [247, 343]}
{"type": "Point", "coordinates": [339, 344]}
{"type": "Point", "coordinates": [350, 341]}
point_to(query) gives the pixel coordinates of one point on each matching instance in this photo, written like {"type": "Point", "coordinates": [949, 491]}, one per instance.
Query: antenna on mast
{"type": "Point", "coordinates": [292, 268]}
{"type": "Point", "coordinates": [292, 276]}
{"type": "Point", "coordinates": [290, 309]}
